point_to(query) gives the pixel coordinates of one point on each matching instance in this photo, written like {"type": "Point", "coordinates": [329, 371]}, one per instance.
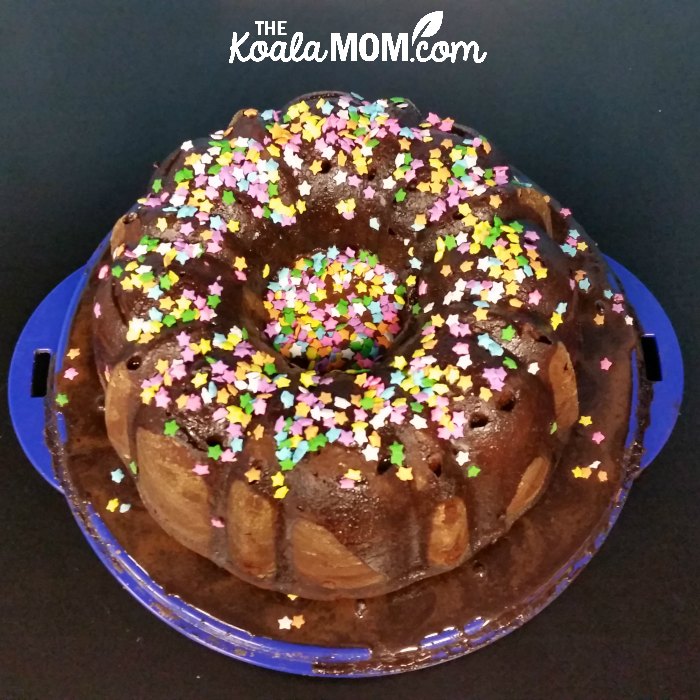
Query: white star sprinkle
{"type": "Point", "coordinates": [285, 623]}
{"type": "Point", "coordinates": [462, 457]}
{"type": "Point", "coordinates": [371, 453]}
{"type": "Point", "coordinates": [418, 422]}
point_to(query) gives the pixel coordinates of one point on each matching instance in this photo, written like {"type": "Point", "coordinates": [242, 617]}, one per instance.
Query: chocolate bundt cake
{"type": "Point", "coordinates": [341, 344]}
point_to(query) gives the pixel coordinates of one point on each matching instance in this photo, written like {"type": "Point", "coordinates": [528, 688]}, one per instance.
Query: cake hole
{"type": "Point", "coordinates": [337, 326]}
{"type": "Point", "coordinates": [652, 360]}
{"type": "Point", "coordinates": [435, 464]}
{"type": "Point", "coordinates": [371, 174]}
{"type": "Point", "coordinates": [133, 363]}
{"type": "Point", "coordinates": [506, 401]}
{"type": "Point", "coordinates": [384, 465]}
{"type": "Point", "coordinates": [392, 232]}
{"type": "Point", "coordinates": [40, 373]}
{"type": "Point", "coordinates": [412, 186]}
{"type": "Point", "coordinates": [100, 403]}
{"type": "Point", "coordinates": [541, 338]}
{"type": "Point", "coordinates": [325, 166]}
{"type": "Point", "coordinates": [213, 442]}
{"type": "Point", "coordinates": [600, 307]}
{"type": "Point", "coordinates": [456, 216]}
{"type": "Point", "coordinates": [360, 608]}
{"type": "Point", "coordinates": [478, 420]}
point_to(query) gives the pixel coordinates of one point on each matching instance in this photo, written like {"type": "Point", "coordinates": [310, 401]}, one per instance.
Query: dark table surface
{"type": "Point", "coordinates": [596, 101]}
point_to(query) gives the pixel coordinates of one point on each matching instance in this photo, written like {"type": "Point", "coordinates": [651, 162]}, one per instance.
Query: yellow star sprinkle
{"type": "Point", "coordinates": [252, 475]}
{"type": "Point", "coordinates": [405, 473]}
{"type": "Point", "coordinates": [113, 505]}
{"type": "Point", "coordinates": [485, 393]}
{"type": "Point", "coordinates": [585, 420]}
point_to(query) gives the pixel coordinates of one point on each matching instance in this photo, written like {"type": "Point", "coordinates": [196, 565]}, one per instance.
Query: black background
{"type": "Point", "coordinates": [596, 101]}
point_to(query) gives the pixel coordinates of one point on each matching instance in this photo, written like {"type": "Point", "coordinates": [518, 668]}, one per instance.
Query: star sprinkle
{"type": "Point", "coordinates": [70, 374]}
{"type": "Point", "coordinates": [170, 428]}
{"type": "Point", "coordinates": [117, 476]}
{"type": "Point", "coordinates": [605, 364]}
{"type": "Point", "coordinates": [405, 473]}
{"type": "Point", "coordinates": [62, 399]}
{"type": "Point", "coordinates": [285, 623]}
{"type": "Point", "coordinates": [462, 457]}
{"type": "Point", "coordinates": [253, 475]}
{"type": "Point", "coordinates": [396, 452]}
{"type": "Point", "coordinates": [73, 353]}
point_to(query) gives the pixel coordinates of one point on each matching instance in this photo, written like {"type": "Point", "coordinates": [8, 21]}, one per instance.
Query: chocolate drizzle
{"type": "Point", "coordinates": [533, 481]}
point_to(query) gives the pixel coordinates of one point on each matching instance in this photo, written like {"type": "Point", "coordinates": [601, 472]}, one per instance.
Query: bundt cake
{"type": "Point", "coordinates": [340, 344]}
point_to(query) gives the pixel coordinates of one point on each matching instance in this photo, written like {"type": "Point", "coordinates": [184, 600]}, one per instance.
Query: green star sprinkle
{"type": "Point", "coordinates": [170, 428]}
{"type": "Point", "coordinates": [397, 457]}
{"type": "Point", "coordinates": [61, 399]}
{"type": "Point", "coordinates": [508, 333]}
{"type": "Point", "coordinates": [472, 471]}
{"type": "Point", "coordinates": [214, 451]}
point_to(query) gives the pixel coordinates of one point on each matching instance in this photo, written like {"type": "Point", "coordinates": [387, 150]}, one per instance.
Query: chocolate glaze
{"type": "Point", "coordinates": [509, 575]}
{"type": "Point", "coordinates": [503, 585]}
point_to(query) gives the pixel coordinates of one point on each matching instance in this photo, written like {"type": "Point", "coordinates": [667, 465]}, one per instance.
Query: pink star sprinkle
{"type": "Point", "coordinates": [597, 438]}
{"type": "Point", "coordinates": [534, 297]}
{"type": "Point", "coordinates": [605, 364]}
{"type": "Point", "coordinates": [70, 374]}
